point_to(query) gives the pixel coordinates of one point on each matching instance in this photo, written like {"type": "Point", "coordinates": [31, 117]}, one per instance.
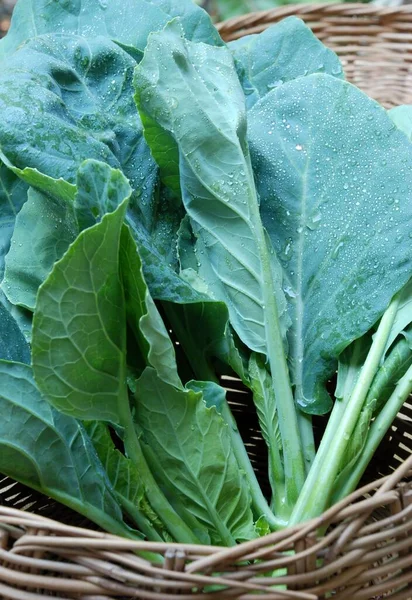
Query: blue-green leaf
{"type": "Point", "coordinates": [279, 54]}
{"type": "Point", "coordinates": [13, 194]}
{"type": "Point", "coordinates": [334, 177]}
{"type": "Point", "coordinates": [44, 228]}
{"type": "Point", "coordinates": [128, 23]}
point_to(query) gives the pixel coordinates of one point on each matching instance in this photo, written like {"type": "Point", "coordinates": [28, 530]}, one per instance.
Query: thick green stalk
{"type": "Point", "coordinates": [173, 523]}
{"type": "Point", "coordinates": [294, 463]}
{"type": "Point", "coordinates": [376, 433]}
{"type": "Point", "coordinates": [316, 493]}
{"type": "Point", "coordinates": [306, 436]}
{"type": "Point", "coordinates": [139, 519]}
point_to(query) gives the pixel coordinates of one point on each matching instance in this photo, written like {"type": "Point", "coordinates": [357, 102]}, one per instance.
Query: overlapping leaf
{"type": "Point", "coordinates": [69, 98]}
{"type": "Point", "coordinates": [79, 336]}
{"type": "Point", "coordinates": [279, 54]}
{"type": "Point", "coordinates": [13, 194]}
{"type": "Point", "coordinates": [128, 23]}
{"type": "Point", "coordinates": [333, 176]}
{"type": "Point", "coordinates": [54, 455]}
{"type": "Point", "coordinates": [193, 447]}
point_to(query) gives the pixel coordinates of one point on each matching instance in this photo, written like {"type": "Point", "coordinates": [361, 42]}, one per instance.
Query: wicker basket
{"type": "Point", "coordinates": [359, 549]}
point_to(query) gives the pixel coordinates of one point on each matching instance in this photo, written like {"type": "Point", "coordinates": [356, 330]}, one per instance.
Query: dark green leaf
{"type": "Point", "coordinates": [54, 454]}
{"type": "Point", "coordinates": [13, 194]}
{"type": "Point", "coordinates": [43, 231]}
{"type": "Point", "coordinates": [13, 345]}
{"type": "Point", "coordinates": [67, 99]}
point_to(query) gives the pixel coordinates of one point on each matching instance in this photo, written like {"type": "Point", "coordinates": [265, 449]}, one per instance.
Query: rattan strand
{"type": "Point", "coordinates": [365, 550]}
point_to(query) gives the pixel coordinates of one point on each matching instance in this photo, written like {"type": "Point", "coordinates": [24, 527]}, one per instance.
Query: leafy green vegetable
{"type": "Point", "coordinates": [192, 444]}
{"type": "Point", "coordinates": [324, 175]}
{"type": "Point", "coordinates": [281, 53]}
{"type": "Point", "coordinates": [175, 212]}
{"type": "Point", "coordinates": [54, 455]}
{"type": "Point", "coordinates": [218, 187]}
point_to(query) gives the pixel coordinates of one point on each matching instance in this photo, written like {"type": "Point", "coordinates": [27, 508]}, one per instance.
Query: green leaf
{"type": "Point", "coordinates": [328, 164]}
{"type": "Point", "coordinates": [402, 117]}
{"type": "Point", "coordinates": [124, 477]}
{"type": "Point", "coordinates": [13, 194]}
{"type": "Point", "coordinates": [403, 316]}
{"type": "Point", "coordinates": [202, 344]}
{"type": "Point", "coordinates": [79, 326]}
{"type": "Point", "coordinates": [279, 54]}
{"type": "Point", "coordinates": [22, 316]}
{"type": "Point", "coordinates": [54, 455]}
{"type": "Point", "coordinates": [193, 446]}
{"type": "Point", "coordinates": [350, 366]}
{"type": "Point", "coordinates": [99, 190]}
{"type": "Point", "coordinates": [195, 22]}
{"type": "Point", "coordinates": [49, 185]}
{"type": "Point", "coordinates": [168, 80]}
{"type": "Point", "coordinates": [128, 23]}
{"type": "Point", "coordinates": [67, 98]}
{"type": "Point", "coordinates": [263, 397]}
{"type": "Point", "coordinates": [192, 92]}
{"type": "Point", "coordinates": [397, 362]}
{"type": "Point", "coordinates": [43, 231]}
{"type": "Point", "coordinates": [143, 316]}
{"type": "Point", "coordinates": [13, 345]}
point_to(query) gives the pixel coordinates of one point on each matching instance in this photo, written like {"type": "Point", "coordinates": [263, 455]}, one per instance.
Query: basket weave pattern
{"type": "Point", "coordinates": [360, 549]}
{"type": "Point", "coordinates": [365, 552]}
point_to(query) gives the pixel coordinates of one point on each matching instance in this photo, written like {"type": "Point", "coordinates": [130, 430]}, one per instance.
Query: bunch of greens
{"type": "Point", "coordinates": [173, 209]}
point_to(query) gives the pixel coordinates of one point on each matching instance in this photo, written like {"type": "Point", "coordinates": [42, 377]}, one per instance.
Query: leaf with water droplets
{"type": "Point", "coordinates": [214, 170]}
{"type": "Point", "coordinates": [45, 227]}
{"type": "Point", "coordinates": [127, 23]}
{"type": "Point", "coordinates": [352, 175]}
{"type": "Point", "coordinates": [279, 54]}
{"type": "Point", "coordinates": [61, 109]}
{"type": "Point", "coordinates": [402, 117]}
